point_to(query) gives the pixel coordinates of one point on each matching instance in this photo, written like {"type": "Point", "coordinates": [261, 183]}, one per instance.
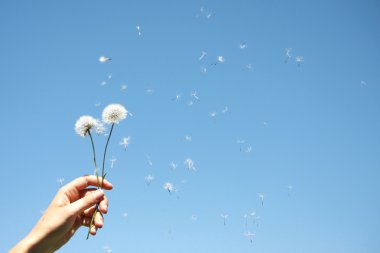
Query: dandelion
{"type": "Point", "coordinates": [85, 124]}
{"type": "Point", "coordinates": [169, 187]}
{"type": "Point", "coordinates": [103, 59]}
{"type": "Point", "coordinates": [125, 142]}
{"type": "Point", "coordinates": [114, 113]}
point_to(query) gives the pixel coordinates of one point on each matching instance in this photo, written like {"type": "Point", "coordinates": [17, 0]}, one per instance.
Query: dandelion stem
{"type": "Point", "coordinates": [92, 221]}
{"type": "Point", "coordinates": [105, 153]}
{"type": "Point", "coordinates": [94, 154]}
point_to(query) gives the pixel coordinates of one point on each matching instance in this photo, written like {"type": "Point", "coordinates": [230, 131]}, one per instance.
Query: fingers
{"type": "Point", "coordinates": [92, 198]}
{"type": "Point", "coordinates": [88, 180]}
{"type": "Point", "coordinates": [102, 205]}
{"type": "Point", "coordinates": [98, 222]}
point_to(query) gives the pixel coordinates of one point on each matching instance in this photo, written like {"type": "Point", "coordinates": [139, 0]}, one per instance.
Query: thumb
{"type": "Point", "coordinates": [87, 201]}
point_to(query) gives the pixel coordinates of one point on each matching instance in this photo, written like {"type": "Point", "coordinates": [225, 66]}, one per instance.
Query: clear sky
{"type": "Point", "coordinates": [313, 126]}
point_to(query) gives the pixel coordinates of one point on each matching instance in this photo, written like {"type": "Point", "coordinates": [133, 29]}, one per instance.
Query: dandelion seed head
{"type": "Point", "coordinates": [114, 113]}
{"type": "Point", "coordinates": [84, 124]}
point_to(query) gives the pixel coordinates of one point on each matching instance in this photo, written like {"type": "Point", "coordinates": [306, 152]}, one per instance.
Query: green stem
{"type": "Point", "coordinates": [105, 153]}
{"type": "Point", "coordinates": [93, 152]}
{"type": "Point", "coordinates": [92, 221]}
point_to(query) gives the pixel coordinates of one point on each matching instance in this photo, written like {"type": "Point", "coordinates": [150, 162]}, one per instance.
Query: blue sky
{"type": "Point", "coordinates": [313, 126]}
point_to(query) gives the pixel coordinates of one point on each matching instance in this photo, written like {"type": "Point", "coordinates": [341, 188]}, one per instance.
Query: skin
{"type": "Point", "coordinates": [71, 208]}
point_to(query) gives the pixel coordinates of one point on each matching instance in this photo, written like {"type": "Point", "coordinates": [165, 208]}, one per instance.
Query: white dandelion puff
{"type": "Point", "coordinates": [84, 124]}
{"type": "Point", "coordinates": [114, 113]}
{"type": "Point", "coordinates": [103, 59]}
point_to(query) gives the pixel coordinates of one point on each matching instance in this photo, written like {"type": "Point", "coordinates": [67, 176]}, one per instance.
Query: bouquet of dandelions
{"type": "Point", "coordinates": [85, 125]}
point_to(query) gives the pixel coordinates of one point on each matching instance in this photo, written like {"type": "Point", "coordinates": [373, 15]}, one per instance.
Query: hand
{"type": "Point", "coordinates": [71, 208]}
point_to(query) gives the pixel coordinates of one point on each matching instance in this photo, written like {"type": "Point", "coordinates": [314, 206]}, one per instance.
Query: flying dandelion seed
{"type": "Point", "coordinates": [109, 76]}
{"type": "Point", "coordinates": [107, 249]}
{"type": "Point", "coordinates": [213, 114]}
{"type": "Point", "coordinates": [246, 217]}
{"type": "Point", "coordinates": [173, 165]}
{"type": "Point", "coordinates": [243, 45]}
{"type": "Point", "coordinates": [177, 97]}
{"type": "Point", "coordinates": [240, 142]}
{"type": "Point", "coordinates": [194, 95]}
{"type": "Point", "coordinates": [149, 160]}
{"type": "Point", "coordinates": [204, 70]}
{"type": "Point", "coordinates": [138, 28]}
{"type": "Point", "coordinates": [290, 189]}
{"type": "Point", "coordinates": [123, 87]}
{"type": "Point", "coordinates": [265, 124]}
{"type": "Point", "coordinates": [169, 187]}
{"type": "Point", "coordinates": [149, 179]}
{"type": "Point", "coordinates": [261, 197]}
{"type": "Point", "coordinates": [60, 181]}
{"type": "Point", "coordinates": [188, 138]}
{"type": "Point", "coordinates": [221, 59]}
{"type": "Point", "coordinates": [103, 83]}
{"type": "Point", "coordinates": [191, 103]}
{"type": "Point", "coordinates": [103, 59]}
{"type": "Point", "coordinates": [363, 83]}
{"type": "Point", "coordinates": [225, 110]}
{"type": "Point", "coordinates": [194, 217]}
{"type": "Point", "coordinates": [149, 91]}
{"type": "Point", "coordinates": [250, 236]}
{"type": "Point", "coordinates": [190, 164]}
{"type": "Point", "coordinates": [113, 161]}
{"type": "Point", "coordinates": [287, 54]}
{"type": "Point", "coordinates": [248, 67]}
{"type": "Point", "coordinates": [125, 215]}
{"type": "Point", "coordinates": [125, 142]}
{"type": "Point", "coordinates": [98, 104]}
{"type": "Point", "coordinates": [248, 149]}
{"type": "Point", "coordinates": [224, 217]}
{"type": "Point", "coordinates": [298, 60]}
{"type": "Point", "coordinates": [203, 55]}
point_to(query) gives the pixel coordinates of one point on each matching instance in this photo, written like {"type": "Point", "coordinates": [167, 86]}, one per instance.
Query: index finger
{"type": "Point", "coordinates": [82, 183]}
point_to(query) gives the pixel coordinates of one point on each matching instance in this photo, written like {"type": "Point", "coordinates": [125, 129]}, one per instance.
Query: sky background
{"type": "Point", "coordinates": [315, 126]}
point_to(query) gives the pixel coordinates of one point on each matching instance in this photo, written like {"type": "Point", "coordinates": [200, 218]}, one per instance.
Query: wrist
{"type": "Point", "coordinates": [29, 244]}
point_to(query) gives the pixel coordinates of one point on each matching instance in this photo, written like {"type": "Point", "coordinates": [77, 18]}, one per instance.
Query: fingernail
{"type": "Point", "coordinates": [98, 194]}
